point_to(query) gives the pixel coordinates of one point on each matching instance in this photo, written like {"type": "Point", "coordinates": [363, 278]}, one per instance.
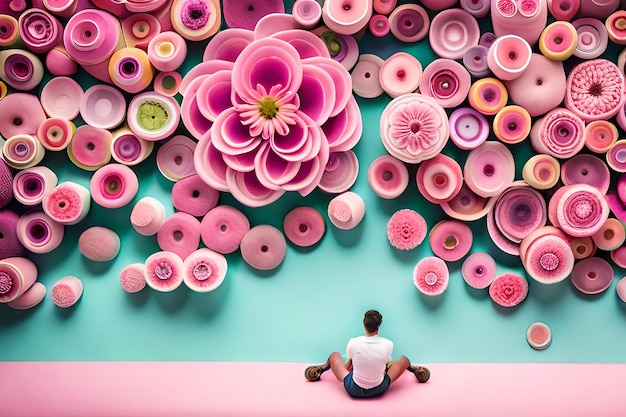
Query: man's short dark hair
{"type": "Point", "coordinates": [372, 320]}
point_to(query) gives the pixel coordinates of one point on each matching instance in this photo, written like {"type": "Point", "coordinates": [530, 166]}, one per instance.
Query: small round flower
{"type": "Point", "coordinates": [431, 276]}
{"type": "Point", "coordinates": [508, 290]}
{"type": "Point", "coordinates": [406, 229]}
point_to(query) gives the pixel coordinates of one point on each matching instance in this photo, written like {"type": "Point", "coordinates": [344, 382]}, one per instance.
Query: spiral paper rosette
{"type": "Point", "coordinates": [508, 290]}
{"type": "Point", "coordinates": [595, 90]}
{"type": "Point", "coordinates": [271, 119]}
{"type": "Point", "coordinates": [560, 133]}
{"type": "Point", "coordinates": [414, 128]}
{"type": "Point", "coordinates": [579, 209]}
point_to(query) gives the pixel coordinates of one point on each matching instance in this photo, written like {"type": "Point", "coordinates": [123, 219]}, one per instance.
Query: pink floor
{"type": "Point", "coordinates": [38, 389]}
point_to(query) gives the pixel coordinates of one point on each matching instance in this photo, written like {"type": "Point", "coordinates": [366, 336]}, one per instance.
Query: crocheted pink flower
{"type": "Point", "coordinates": [508, 290]}
{"type": "Point", "coordinates": [406, 229]}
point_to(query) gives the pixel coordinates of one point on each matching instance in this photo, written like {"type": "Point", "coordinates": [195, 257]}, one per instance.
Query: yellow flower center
{"type": "Point", "coordinates": [268, 108]}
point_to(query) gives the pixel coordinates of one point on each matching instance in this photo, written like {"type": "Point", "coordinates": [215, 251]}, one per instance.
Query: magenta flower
{"type": "Point", "coordinates": [267, 123]}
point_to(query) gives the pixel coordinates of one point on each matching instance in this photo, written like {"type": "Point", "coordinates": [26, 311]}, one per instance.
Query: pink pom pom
{"type": "Point", "coordinates": [67, 291]}
{"type": "Point", "coordinates": [406, 229]}
{"type": "Point", "coordinates": [508, 290]}
{"type": "Point", "coordinates": [431, 275]}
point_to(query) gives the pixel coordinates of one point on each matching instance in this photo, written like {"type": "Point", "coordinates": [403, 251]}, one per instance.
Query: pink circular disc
{"type": "Point", "coordinates": [439, 179]}
{"type": "Point", "coordinates": [179, 233]}
{"type": "Point", "coordinates": [446, 81]}
{"type": "Point", "coordinates": [99, 244]}
{"type": "Point", "coordinates": [468, 128]}
{"type": "Point", "coordinates": [406, 229]}
{"type": "Point", "coordinates": [431, 276]}
{"type": "Point", "coordinates": [263, 247]}
{"type": "Point", "coordinates": [67, 291]}
{"type": "Point", "coordinates": [223, 227]}
{"type": "Point", "coordinates": [365, 76]}
{"type": "Point", "coordinates": [61, 98]}
{"type": "Point", "coordinates": [489, 169]}
{"type": "Point", "coordinates": [387, 176]}
{"type": "Point", "coordinates": [621, 289]}
{"type": "Point", "coordinates": [205, 270]}
{"type": "Point", "coordinates": [592, 275]}
{"type": "Point", "coordinates": [539, 335]}
{"type": "Point", "coordinates": [103, 106]}
{"type": "Point", "coordinates": [479, 270]}
{"type": "Point", "coordinates": [38, 233]}
{"type": "Point", "coordinates": [409, 22]}
{"type": "Point", "coordinates": [164, 271]}
{"type": "Point", "coordinates": [114, 185]}
{"type": "Point", "coordinates": [508, 290]}
{"type": "Point", "coordinates": [194, 196]}
{"type": "Point", "coordinates": [400, 74]}
{"type": "Point", "coordinates": [304, 226]}
{"type": "Point", "coordinates": [147, 216]}
{"type": "Point", "coordinates": [132, 277]}
{"type": "Point", "coordinates": [451, 239]}
{"type": "Point", "coordinates": [175, 158]}
{"type": "Point", "coordinates": [453, 32]}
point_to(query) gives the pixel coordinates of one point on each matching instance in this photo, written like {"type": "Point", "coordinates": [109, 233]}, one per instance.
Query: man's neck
{"type": "Point", "coordinates": [370, 334]}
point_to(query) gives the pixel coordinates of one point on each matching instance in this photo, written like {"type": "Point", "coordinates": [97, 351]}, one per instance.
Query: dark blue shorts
{"type": "Point", "coordinates": [357, 392]}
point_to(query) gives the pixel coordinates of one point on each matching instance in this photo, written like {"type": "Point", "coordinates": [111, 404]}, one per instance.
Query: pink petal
{"type": "Point", "coordinates": [246, 14]}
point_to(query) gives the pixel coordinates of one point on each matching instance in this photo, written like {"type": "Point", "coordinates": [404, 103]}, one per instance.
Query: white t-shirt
{"type": "Point", "coordinates": [370, 355]}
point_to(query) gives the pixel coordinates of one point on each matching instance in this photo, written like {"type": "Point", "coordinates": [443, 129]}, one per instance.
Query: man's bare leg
{"type": "Point", "coordinates": [402, 364]}
{"type": "Point", "coordinates": [338, 366]}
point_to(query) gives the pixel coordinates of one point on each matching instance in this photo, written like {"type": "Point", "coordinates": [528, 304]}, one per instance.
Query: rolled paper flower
{"type": "Point", "coordinates": [67, 291]}
{"type": "Point", "coordinates": [406, 229]}
{"type": "Point", "coordinates": [147, 216]}
{"type": "Point", "coordinates": [128, 149]}
{"type": "Point", "coordinates": [304, 226]}
{"type": "Point", "coordinates": [583, 247]}
{"type": "Point", "coordinates": [559, 133]}
{"type": "Point", "coordinates": [616, 27]}
{"type": "Point", "coordinates": [593, 38]}
{"type": "Point", "coordinates": [479, 270]}
{"type": "Point", "coordinates": [263, 247]}
{"type": "Point", "coordinates": [193, 196]}
{"type": "Point", "coordinates": [563, 10]}
{"type": "Point", "coordinates": [17, 275]}
{"type": "Point", "coordinates": [130, 69]}
{"type": "Point", "coordinates": [387, 177]}
{"type": "Point", "coordinates": [99, 244]}
{"type": "Point", "coordinates": [167, 51]}
{"type": "Point", "coordinates": [600, 136]}
{"type": "Point", "coordinates": [38, 233]}
{"type": "Point", "coordinates": [103, 106]}
{"type": "Point", "coordinates": [450, 239]}
{"type": "Point", "coordinates": [384, 6]}
{"type": "Point", "coordinates": [477, 8]}
{"type": "Point", "coordinates": [586, 169]}
{"type": "Point", "coordinates": [210, 166]}
{"type": "Point", "coordinates": [6, 183]}
{"type": "Point", "coordinates": [447, 81]}
{"type": "Point", "coordinates": [512, 124]}
{"type": "Point", "coordinates": [581, 210]}
{"type": "Point", "coordinates": [307, 13]}
{"type": "Point", "coordinates": [139, 29]}
{"type": "Point", "coordinates": [508, 290]}
{"type": "Point", "coordinates": [9, 31]}
{"type": "Point", "coordinates": [167, 83]}
{"type": "Point", "coordinates": [61, 98]}
{"type": "Point", "coordinates": [365, 76]}
{"type": "Point", "coordinates": [509, 57]}
{"type": "Point", "coordinates": [348, 17]}
{"type": "Point", "coordinates": [400, 74]}
{"type": "Point", "coordinates": [59, 63]}
{"type": "Point", "coordinates": [525, 19]}
{"type": "Point", "coordinates": [595, 90]}
{"type": "Point", "coordinates": [133, 278]}
{"type": "Point", "coordinates": [20, 69]}
{"type": "Point", "coordinates": [488, 95]}
{"type": "Point", "coordinates": [90, 147]}
{"type": "Point", "coordinates": [468, 128]}
{"type": "Point", "coordinates": [91, 36]}
{"type": "Point", "coordinates": [67, 203]}
{"type": "Point", "coordinates": [467, 205]}
{"type": "Point", "coordinates": [475, 61]}
{"type": "Point", "coordinates": [205, 270]}
{"type": "Point", "coordinates": [340, 172]}
{"type": "Point", "coordinates": [489, 169]}
{"type": "Point", "coordinates": [32, 297]}
{"type": "Point", "coordinates": [610, 236]}
{"type": "Point", "coordinates": [487, 39]}
{"type": "Point", "coordinates": [113, 185]}
{"type": "Point", "coordinates": [541, 171]}
{"type": "Point", "coordinates": [379, 25]}
{"type": "Point", "coordinates": [409, 23]}
{"type": "Point", "coordinates": [541, 87]}
{"type": "Point", "coordinates": [452, 32]}
{"type": "Point", "coordinates": [22, 151]}
{"type": "Point", "coordinates": [592, 275]}
{"type": "Point", "coordinates": [153, 116]}
{"type": "Point", "coordinates": [11, 245]}
{"type": "Point", "coordinates": [599, 9]}
{"type": "Point", "coordinates": [346, 210]}
{"type": "Point", "coordinates": [164, 271]}
{"type": "Point", "coordinates": [621, 289]}
{"type": "Point", "coordinates": [431, 276]}
{"type": "Point", "coordinates": [31, 184]}
{"type": "Point", "coordinates": [558, 41]}
{"type": "Point", "coordinates": [439, 179]}
{"type": "Point", "coordinates": [223, 227]}
{"type": "Point", "coordinates": [39, 30]}
{"type": "Point", "coordinates": [179, 233]}
{"type": "Point", "coordinates": [197, 20]}
{"type": "Point", "coordinates": [616, 156]}
{"type": "Point", "coordinates": [414, 128]}
{"type": "Point", "coordinates": [519, 211]}
{"type": "Point", "coordinates": [175, 158]}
